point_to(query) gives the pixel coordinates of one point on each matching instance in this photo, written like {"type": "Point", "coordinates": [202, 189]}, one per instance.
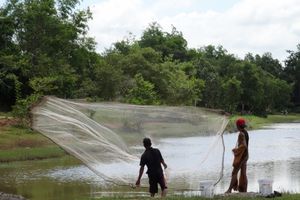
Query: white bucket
{"type": "Point", "coordinates": [265, 186]}
{"type": "Point", "coordinates": [207, 189]}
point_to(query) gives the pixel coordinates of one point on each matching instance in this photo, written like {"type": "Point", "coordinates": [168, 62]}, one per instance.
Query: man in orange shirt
{"type": "Point", "coordinates": [241, 156]}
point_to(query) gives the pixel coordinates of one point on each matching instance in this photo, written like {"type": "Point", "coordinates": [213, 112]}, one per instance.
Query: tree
{"type": "Point", "coordinates": [292, 73]}
{"type": "Point", "coordinates": [48, 35]}
{"type": "Point", "coordinates": [252, 89]}
{"type": "Point", "coordinates": [10, 82]}
{"type": "Point", "coordinates": [169, 44]}
{"type": "Point", "coordinates": [174, 86]}
{"type": "Point", "coordinates": [277, 93]}
{"type": "Point", "coordinates": [211, 94]}
{"type": "Point", "coordinates": [219, 57]}
{"type": "Point", "coordinates": [44, 50]}
{"type": "Point", "coordinates": [142, 93]}
{"type": "Point", "coordinates": [267, 63]}
{"type": "Point", "coordinates": [232, 92]}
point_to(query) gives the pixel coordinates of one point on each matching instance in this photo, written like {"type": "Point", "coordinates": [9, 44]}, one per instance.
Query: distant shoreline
{"type": "Point", "coordinates": [21, 143]}
{"type": "Point", "coordinates": [255, 122]}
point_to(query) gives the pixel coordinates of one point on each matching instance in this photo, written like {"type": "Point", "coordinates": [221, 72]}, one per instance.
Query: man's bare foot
{"type": "Point", "coordinates": [235, 188]}
{"type": "Point", "coordinates": [164, 193]}
{"type": "Point", "coordinates": [228, 191]}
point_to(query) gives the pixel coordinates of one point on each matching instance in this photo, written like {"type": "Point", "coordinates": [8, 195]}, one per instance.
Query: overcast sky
{"type": "Point", "coordinates": [240, 26]}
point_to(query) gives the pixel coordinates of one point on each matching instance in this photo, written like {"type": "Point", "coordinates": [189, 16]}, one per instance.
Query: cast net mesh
{"type": "Point", "coordinates": [107, 137]}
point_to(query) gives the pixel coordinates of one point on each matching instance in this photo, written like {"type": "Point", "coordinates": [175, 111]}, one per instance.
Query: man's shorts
{"type": "Point", "coordinates": [154, 180]}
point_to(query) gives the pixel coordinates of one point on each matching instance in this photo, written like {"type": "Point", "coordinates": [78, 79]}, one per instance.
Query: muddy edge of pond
{"type": "Point", "coordinates": [5, 196]}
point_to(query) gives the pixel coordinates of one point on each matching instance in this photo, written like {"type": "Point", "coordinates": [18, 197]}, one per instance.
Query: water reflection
{"type": "Point", "coordinates": [285, 174]}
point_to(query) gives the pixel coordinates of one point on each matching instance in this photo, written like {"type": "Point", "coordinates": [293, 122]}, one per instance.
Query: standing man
{"type": "Point", "coordinates": [153, 159]}
{"type": "Point", "coordinates": [240, 159]}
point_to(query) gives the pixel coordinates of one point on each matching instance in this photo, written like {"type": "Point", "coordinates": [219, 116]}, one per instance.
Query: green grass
{"type": "Point", "coordinates": [19, 143]}
{"type": "Point", "coordinates": [255, 122]}
{"type": "Point", "coordinates": [284, 197]}
{"type": "Point", "coordinates": [5, 114]}
{"type": "Point", "coordinates": [20, 154]}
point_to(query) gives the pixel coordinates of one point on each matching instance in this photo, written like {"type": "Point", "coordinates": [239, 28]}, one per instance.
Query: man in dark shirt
{"type": "Point", "coordinates": [153, 159]}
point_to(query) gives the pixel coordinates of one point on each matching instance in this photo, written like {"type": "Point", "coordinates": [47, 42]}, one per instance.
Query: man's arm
{"type": "Point", "coordinates": [164, 164]}
{"type": "Point", "coordinates": [162, 160]}
{"type": "Point", "coordinates": [138, 182]}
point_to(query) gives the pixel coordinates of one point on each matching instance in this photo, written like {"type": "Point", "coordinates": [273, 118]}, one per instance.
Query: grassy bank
{"type": "Point", "coordinates": [19, 143]}
{"type": "Point", "coordinates": [284, 197]}
{"type": "Point", "coordinates": [5, 114]}
{"type": "Point", "coordinates": [256, 122]}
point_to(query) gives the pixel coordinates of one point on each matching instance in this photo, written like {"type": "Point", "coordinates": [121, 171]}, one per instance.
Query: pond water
{"type": "Point", "coordinates": [274, 154]}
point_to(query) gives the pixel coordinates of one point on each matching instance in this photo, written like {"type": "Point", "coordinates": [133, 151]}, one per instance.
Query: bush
{"type": "Point", "coordinates": [22, 108]}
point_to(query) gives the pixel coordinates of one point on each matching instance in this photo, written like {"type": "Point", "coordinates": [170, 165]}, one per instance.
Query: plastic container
{"type": "Point", "coordinates": [207, 189]}
{"type": "Point", "coordinates": [265, 186]}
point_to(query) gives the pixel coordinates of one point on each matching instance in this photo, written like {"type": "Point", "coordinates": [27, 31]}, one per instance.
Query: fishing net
{"type": "Point", "coordinates": [107, 137]}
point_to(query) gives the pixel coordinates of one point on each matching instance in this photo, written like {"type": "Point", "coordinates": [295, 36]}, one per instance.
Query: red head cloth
{"type": "Point", "coordinates": [240, 122]}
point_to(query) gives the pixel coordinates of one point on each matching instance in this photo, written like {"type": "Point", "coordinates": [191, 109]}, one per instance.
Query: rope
{"type": "Point", "coordinates": [222, 168]}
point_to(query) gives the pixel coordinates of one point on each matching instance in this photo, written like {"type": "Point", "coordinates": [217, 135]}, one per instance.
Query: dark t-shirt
{"type": "Point", "coordinates": [152, 158]}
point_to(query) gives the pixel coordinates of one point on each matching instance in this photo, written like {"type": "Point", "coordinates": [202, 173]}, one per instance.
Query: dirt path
{"type": "Point", "coordinates": [8, 122]}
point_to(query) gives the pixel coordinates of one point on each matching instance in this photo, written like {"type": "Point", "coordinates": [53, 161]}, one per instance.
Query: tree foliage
{"type": "Point", "coordinates": [45, 50]}
{"type": "Point", "coordinates": [292, 73]}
